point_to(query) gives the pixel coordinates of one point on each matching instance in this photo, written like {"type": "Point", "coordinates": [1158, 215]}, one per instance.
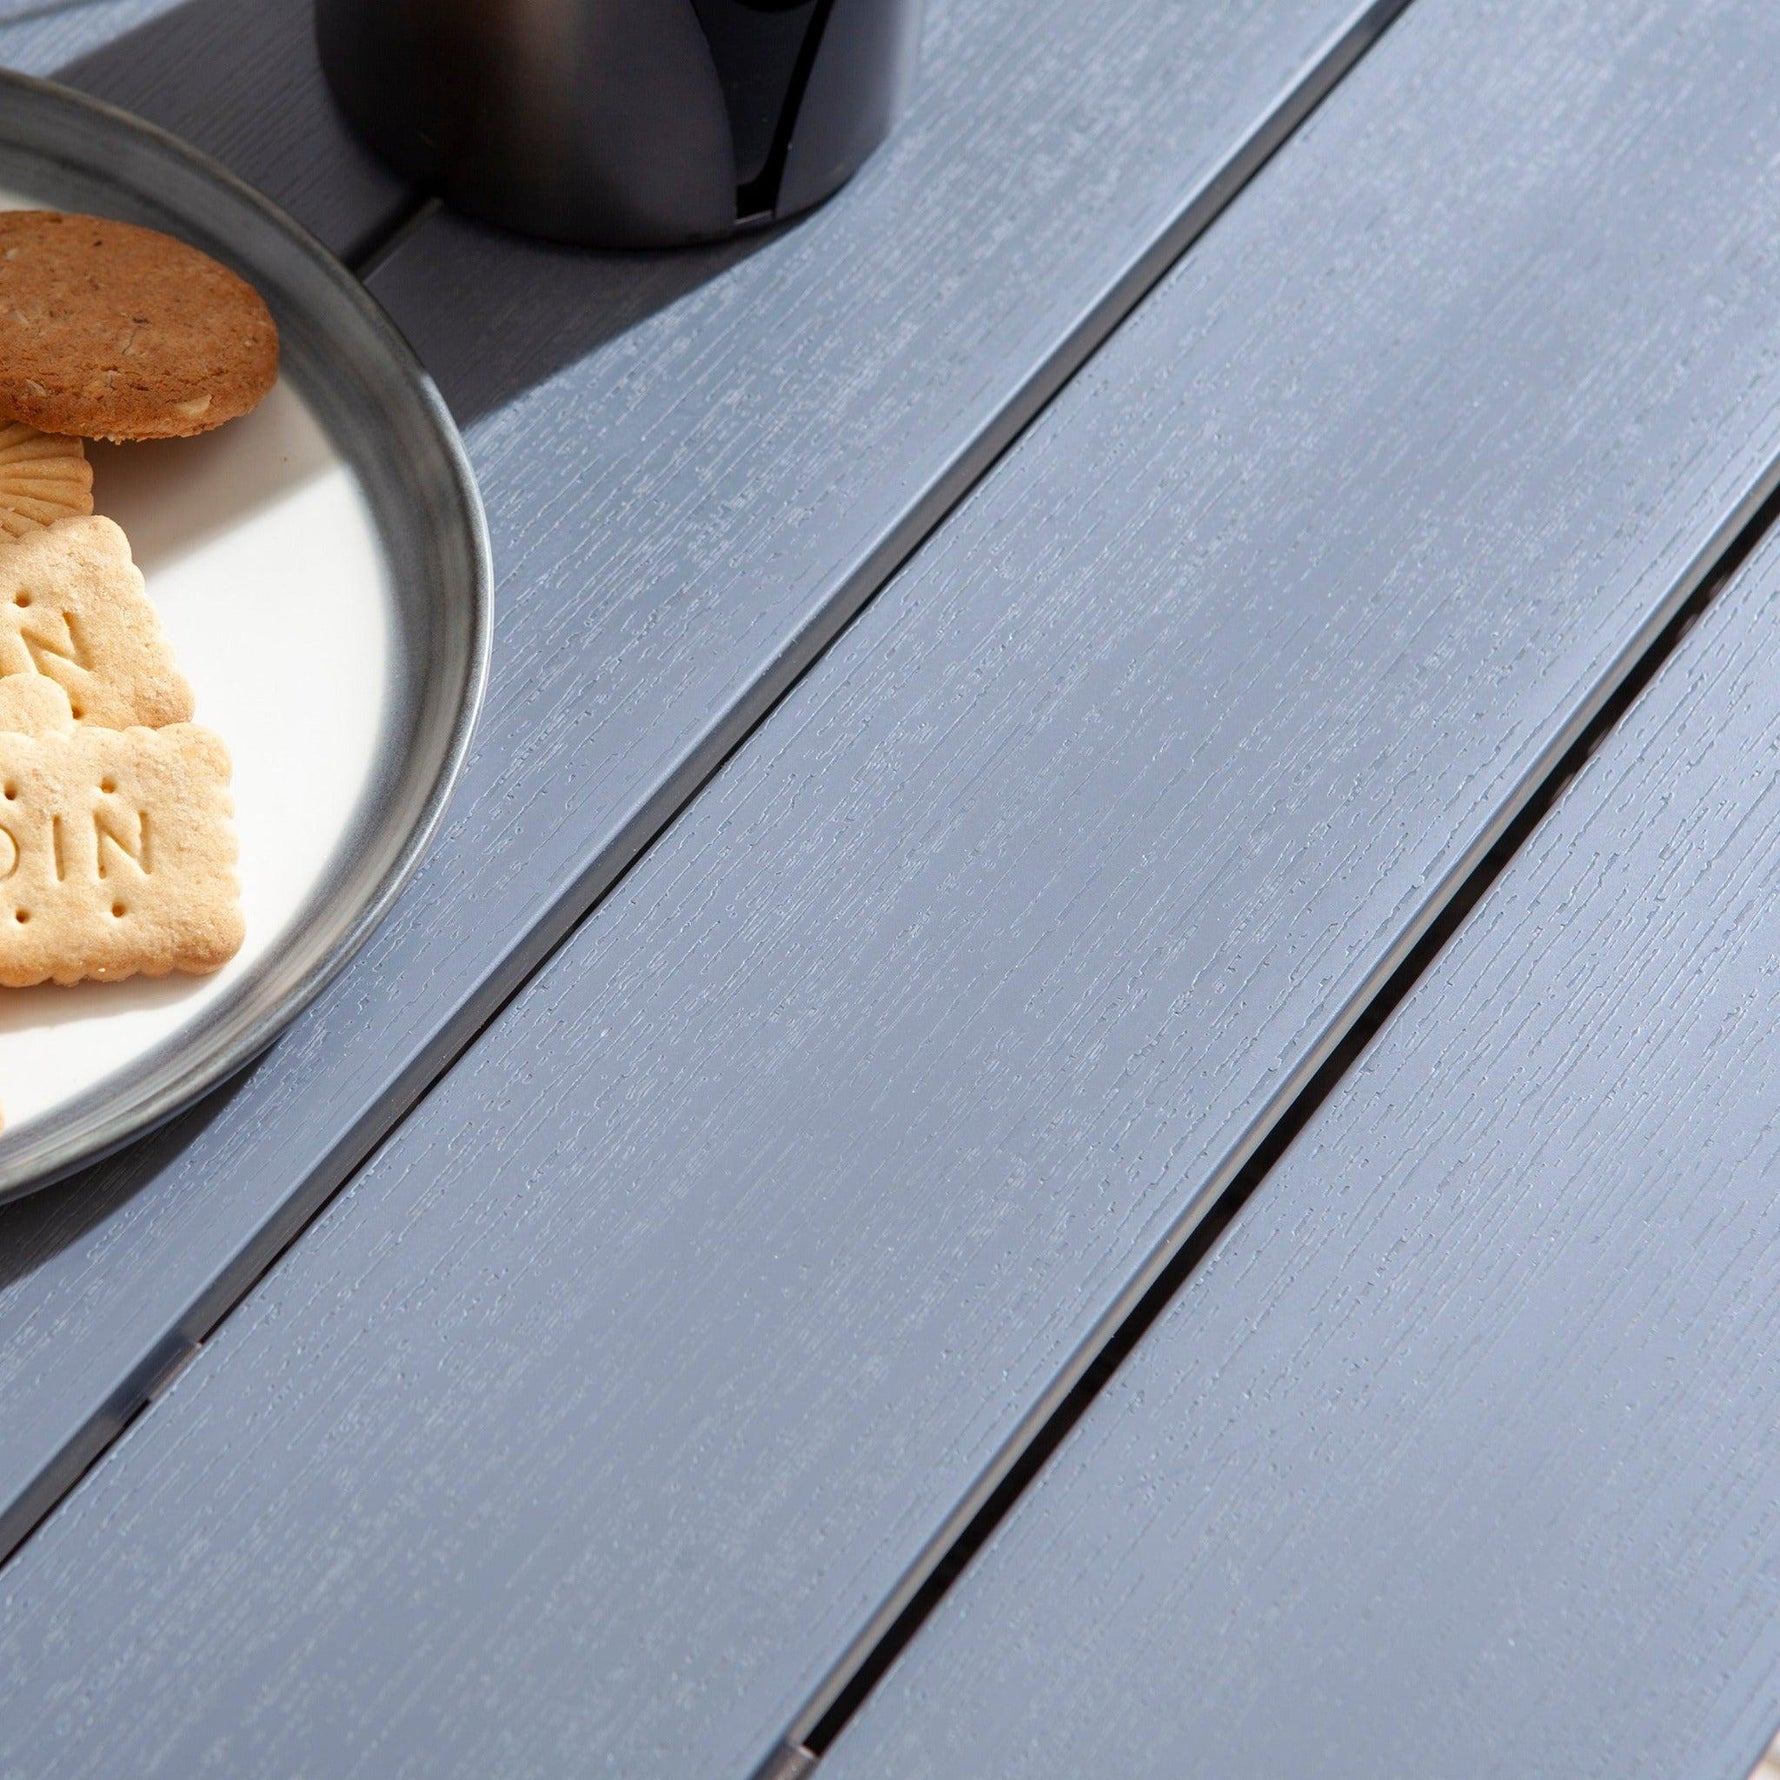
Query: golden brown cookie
{"type": "Point", "coordinates": [115, 332]}
{"type": "Point", "coordinates": [117, 855]}
{"type": "Point", "coordinates": [43, 477]}
{"type": "Point", "coordinates": [73, 609]}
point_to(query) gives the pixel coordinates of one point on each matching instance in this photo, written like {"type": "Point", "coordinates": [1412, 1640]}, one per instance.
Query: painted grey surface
{"type": "Point", "coordinates": [238, 79]}
{"type": "Point", "coordinates": [609, 1404]}
{"type": "Point", "coordinates": [17, 11]}
{"type": "Point", "coordinates": [13, 10]}
{"type": "Point", "coordinates": [1457, 1455]}
{"type": "Point", "coordinates": [680, 516]}
{"type": "Point", "coordinates": [42, 39]}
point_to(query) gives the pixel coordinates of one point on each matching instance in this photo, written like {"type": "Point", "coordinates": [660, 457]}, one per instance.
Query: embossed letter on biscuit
{"type": "Point", "coordinates": [73, 609]}
{"type": "Point", "coordinates": [117, 855]}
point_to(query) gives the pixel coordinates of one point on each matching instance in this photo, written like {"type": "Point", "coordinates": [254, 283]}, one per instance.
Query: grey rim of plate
{"type": "Point", "coordinates": [389, 423]}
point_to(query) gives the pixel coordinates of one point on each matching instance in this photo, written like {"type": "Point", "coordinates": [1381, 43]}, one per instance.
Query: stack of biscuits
{"type": "Point", "coordinates": [117, 844]}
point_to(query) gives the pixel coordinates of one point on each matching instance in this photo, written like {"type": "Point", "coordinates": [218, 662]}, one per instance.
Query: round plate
{"type": "Point", "coordinates": [321, 568]}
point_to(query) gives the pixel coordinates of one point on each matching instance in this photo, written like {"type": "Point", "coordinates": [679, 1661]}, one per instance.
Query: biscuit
{"type": "Point", "coordinates": [117, 855]}
{"type": "Point", "coordinates": [43, 477]}
{"type": "Point", "coordinates": [31, 704]}
{"type": "Point", "coordinates": [116, 332]}
{"type": "Point", "coordinates": [73, 609]}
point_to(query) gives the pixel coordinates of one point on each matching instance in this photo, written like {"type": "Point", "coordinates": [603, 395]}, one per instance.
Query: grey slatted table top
{"type": "Point", "coordinates": [696, 466]}
{"type": "Point", "coordinates": [1459, 1455]}
{"type": "Point", "coordinates": [613, 1401]}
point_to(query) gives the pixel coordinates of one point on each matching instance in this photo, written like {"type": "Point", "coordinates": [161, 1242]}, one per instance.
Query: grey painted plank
{"type": "Point", "coordinates": [238, 78]}
{"type": "Point", "coordinates": [11, 11]}
{"type": "Point", "coordinates": [1457, 1455]}
{"type": "Point", "coordinates": [41, 39]}
{"type": "Point", "coordinates": [47, 43]}
{"type": "Point", "coordinates": [711, 460]}
{"type": "Point", "coordinates": [608, 1405]}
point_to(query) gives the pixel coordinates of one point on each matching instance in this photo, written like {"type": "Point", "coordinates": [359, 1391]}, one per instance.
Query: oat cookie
{"type": "Point", "coordinates": [43, 477]}
{"type": "Point", "coordinates": [117, 855]}
{"type": "Point", "coordinates": [116, 332]}
{"type": "Point", "coordinates": [73, 609]}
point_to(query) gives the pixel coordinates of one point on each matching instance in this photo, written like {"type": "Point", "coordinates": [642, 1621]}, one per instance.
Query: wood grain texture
{"type": "Point", "coordinates": [12, 11]}
{"type": "Point", "coordinates": [607, 1406]}
{"type": "Point", "coordinates": [680, 516]}
{"type": "Point", "coordinates": [237, 78]}
{"type": "Point", "coordinates": [1457, 1455]}
{"type": "Point", "coordinates": [38, 39]}
{"type": "Point", "coordinates": [47, 42]}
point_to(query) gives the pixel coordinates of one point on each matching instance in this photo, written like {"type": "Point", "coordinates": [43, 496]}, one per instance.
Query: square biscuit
{"type": "Point", "coordinates": [73, 609]}
{"type": "Point", "coordinates": [117, 855]}
{"type": "Point", "coordinates": [33, 704]}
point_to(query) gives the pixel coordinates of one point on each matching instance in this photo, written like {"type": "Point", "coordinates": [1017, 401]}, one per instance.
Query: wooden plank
{"type": "Point", "coordinates": [37, 39]}
{"type": "Point", "coordinates": [681, 516]}
{"type": "Point", "coordinates": [240, 81]}
{"type": "Point", "coordinates": [1462, 1438]}
{"type": "Point", "coordinates": [654, 1352]}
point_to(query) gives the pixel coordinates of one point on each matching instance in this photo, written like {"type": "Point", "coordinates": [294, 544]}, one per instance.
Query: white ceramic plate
{"type": "Point", "coordinates": [321, 571]}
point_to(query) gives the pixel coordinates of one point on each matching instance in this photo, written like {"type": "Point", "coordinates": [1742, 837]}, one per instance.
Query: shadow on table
{"type": "Point", "coordinates": [241, 80]}
{"type": "Point", "coordinates": [493, 314]}
{"type": "Point", "coordinates": [36, 1229]}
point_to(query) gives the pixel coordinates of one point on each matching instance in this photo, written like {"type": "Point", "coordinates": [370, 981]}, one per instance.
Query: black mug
{"type": "Point", "coordinates": [622, 123]}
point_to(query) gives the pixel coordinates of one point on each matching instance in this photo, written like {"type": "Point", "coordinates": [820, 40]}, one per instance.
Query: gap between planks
{"type": "Point", "coordinates": [933, 1576]}
{"type": "Point", "coordinates": [383, 244]}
